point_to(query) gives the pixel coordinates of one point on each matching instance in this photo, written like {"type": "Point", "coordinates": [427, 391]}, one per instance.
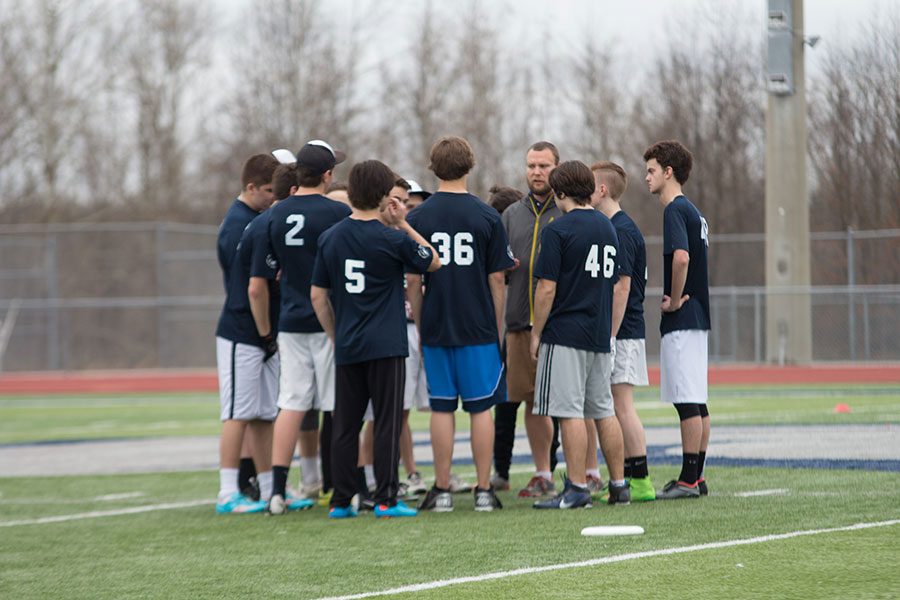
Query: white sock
{"type": "Point", "coordinates": [545, 474]}
{"type": "Point", "coordinates": [227, 482]}
{"type": "Point", "coordinates": [266, 482]}
{"type": "Point", "coordinates": [309, 470]}
{"type": "Point", "coordinates": [582, 485]}
{"type": "Point", "coordinates": [593, 473]}
{"type": "Point", "coordinates": [617, 482]}
{"type": "Point", "coordinates": [370, 475]}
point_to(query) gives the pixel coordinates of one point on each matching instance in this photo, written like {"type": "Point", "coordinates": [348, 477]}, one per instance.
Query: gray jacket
{"type": "Point", "coordinates": [523, 228]}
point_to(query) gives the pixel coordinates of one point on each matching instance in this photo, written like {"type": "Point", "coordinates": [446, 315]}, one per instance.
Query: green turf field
{"type": "Point", "coordinates": [193, 553]}
{"type": "Point", "coordinates": [39, 418]}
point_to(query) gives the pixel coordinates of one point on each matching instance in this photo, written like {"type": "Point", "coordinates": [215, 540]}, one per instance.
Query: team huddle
{"type": "Point", "coordinates": [357, 302]}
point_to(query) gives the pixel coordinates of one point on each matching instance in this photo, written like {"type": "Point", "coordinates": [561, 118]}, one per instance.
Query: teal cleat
{"type": "Point", "coordinates": [341, 512]}
{"type": "Point", "coordinates": [237, 503]}
{"type": "Point", "coordinates": [383, 511]}
{"type": "Point", "coordinates": [294, 502]}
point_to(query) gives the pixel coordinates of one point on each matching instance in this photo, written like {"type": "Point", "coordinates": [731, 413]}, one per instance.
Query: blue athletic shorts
{"type": "Point", "coordinates": [473, 373]}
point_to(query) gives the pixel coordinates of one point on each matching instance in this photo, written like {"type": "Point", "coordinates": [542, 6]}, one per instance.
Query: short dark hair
{"type": "Point", "coordinates": [370, 181]}
{"type": "Point", "coordinates": [336, 186]}
{"type": "Point", "coordinates": [503, 197]}
{"type": "Point", "coordinates": [451, 158]}
{"type": "Point", "coordinates": [402, 183]}
{"type": "Point", "coordinates": [258, 170]}
{"type": "Point", "coordinates": [671, 153]}
{"type": "Point", "coordinates": [613, 176]}
{"type": "Point", "coordinates": [308, 177]}
{"type": "Point", "coordinates": [284, 178]}
{"type": "Point", "coordinates": [574, 180]}
{"type": "Point", "coordinates": [538, 146]}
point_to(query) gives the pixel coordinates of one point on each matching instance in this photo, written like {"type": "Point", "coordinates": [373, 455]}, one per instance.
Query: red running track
{"type": "Point", "coordinates": [125, 382]}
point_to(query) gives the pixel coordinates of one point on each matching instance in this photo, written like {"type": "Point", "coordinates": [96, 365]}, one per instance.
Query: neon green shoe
{"type": "Point", "coordinates": [642, 489]}
{"type": "Point", "coordinates": [325, 499]}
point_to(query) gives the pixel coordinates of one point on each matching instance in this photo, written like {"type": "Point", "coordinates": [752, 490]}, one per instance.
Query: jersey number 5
{"type": "Point", "coordinates": [592, 264]}
{"type": "Point", "coordinates": [356, 281]}
{"type": "Point", "coordinates": [459, 252]}
{"type": "Point", "coordinates": [290, 238]}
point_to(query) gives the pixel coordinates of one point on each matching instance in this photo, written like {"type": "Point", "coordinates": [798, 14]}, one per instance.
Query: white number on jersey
{"type": "Point", "coordinates": [356, 281]}
{"type": "Point", "coordinates": [458, 251]}
{"type": "Point", "coordinates": [592, 264]}
{"type": "Point", "coordinates": [704, 231]}
{"type": "Point", "coordinates": [290, 238]}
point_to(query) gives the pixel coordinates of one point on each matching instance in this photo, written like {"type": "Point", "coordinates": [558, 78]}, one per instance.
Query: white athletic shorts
{"type": "Point", "coordinates": [248, 387]}
{"type": "Point", "coordinates": [307, 371]}
{"type": "Point", "coordinates": [683, 361]}
{"type": "Point", "coordinates": [573, 383]}
{"type": "Point", "coordinates": [630, 363]}
{"type": "Point", "coordinates": [415, 394]}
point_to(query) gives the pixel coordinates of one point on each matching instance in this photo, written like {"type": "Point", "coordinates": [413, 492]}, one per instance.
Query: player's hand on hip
{"type": "Point", "coordinates": [669, 305]}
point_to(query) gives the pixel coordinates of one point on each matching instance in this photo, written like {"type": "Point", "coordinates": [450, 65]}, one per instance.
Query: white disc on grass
{"type": "Point", "coordinates": [613, 530]}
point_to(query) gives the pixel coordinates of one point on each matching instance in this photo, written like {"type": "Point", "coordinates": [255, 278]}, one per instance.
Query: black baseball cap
{"type": "Point", "coordinates": [319, 156]}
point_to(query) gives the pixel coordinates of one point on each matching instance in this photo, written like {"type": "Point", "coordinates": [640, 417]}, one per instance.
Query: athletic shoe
{"type": "Point", "coordinates": [341, 512]}
{"type": "Point", "coordinates": [383, 511]}
{"type": "Point", "coordinates": [295, 502]}
{"type": "Point", "coordinates": [415, 485]}
{"type": "Point", "coordinates": [252, 490]}
{"type": "Point", "coordinates": [237, 503]}
{"type": "Point", "coordinates": [619, 494]}
{"type": "Point", "coordinates": [458, 486]}
{"type": "Point", "coordinates": [537, 487]}
{"type": "Point", "coordinates": [642, 489]}
{"type": "Point", "coordinates": [500, 484]}
{"type": "Point", "coordinates": [310, 491]}
{"type": "Point", "coordinates": [367, 504]}
{"type": "Point", "coordinates": [437, 501]}
{"type": "Point", "coordinates": [486, 500]}
{"type": "Point", "coordinates": [570, 497]}
{"type": "Point", "coordinates": [325, 498]}
{"type": "Point", "coordinates": [701, 487]}
{"type": "Point", "coordinates": [678, 489]}
{"type": "Point", "coordinates": [595, 485]}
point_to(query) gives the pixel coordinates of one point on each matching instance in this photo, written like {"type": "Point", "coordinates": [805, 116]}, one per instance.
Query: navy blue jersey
{"type": "Point", "coordinates": [362, 263]}
{"type": "Point", "coordinates": [255, 255]}
{"type": "Point", "coordinates": [632, 263]}
{"type": "Point", "coordinates": [236, 321]}
{"type": "Point", "coordinates": [684, 228]}
{"type": "Point", "coordinates": [578, 252]}
{"type": "Point", "coordinates": [296, 224]}
{"type": "Point", "coordinates": [458, 309]}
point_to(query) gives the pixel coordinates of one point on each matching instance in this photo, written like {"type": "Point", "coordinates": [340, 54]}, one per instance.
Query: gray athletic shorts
{"type": "Point", "coordinates": [573, 383]}
{"type": "Point", "coordinates": [630, 364]}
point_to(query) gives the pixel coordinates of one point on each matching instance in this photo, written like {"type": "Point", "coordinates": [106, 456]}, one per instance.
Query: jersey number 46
{"type": "Point", "coordinates": [592, 264]}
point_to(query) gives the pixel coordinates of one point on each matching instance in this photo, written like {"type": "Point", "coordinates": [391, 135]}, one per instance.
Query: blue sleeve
{"type": "Point", "coordinates": [675, 235]}
{"type": "Point", "coordinates": [626, 253]}
{"type": "Point", "coordinates": [499, 252]}
{"type": "Point", "coordinates": [415, 258]}
{"type": "Point", "coordinates": [262, 259]}
{"type": "Point", "coordinates": [320, 275]}
{"type": "Point", "coordinates": [549, 261]}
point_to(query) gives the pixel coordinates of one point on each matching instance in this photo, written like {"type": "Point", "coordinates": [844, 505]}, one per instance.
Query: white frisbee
{"type": "Point", "coordinates": [613, 530]}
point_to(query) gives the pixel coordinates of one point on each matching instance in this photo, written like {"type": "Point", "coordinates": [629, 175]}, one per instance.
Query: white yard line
{"type": "Point", "coordinates": [124, 496]}
{"type": "Point", "coordinates": [107, 513]}
{"type": "Point", "coordinates": [421, 587]}
{"type": "Point", "coordinates": [775, 492]}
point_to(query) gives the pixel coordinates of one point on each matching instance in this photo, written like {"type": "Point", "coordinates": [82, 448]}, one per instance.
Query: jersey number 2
{"type": "Point", "coordinates": [592, 264]}
{"type": "Point", "coordinates": [291, 237]}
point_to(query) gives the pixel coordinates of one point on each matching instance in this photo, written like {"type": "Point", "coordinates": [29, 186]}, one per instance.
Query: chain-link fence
{"type": "Point", "coordinates": [138, 295]}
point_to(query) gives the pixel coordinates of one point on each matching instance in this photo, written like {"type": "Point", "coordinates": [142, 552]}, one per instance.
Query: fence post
{"type": "Point", "coordinates": [757, 327]}
{"type": "Point", "coordinates": [160, 283]}
{"type": "Point", "coordinates": [866, 351]}
{"type": "Point", "coordinates": [51, 266]}
{"type": "Point", "coordinates": [851, 305]}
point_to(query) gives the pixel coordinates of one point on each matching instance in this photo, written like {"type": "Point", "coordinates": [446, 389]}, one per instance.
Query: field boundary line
{"type": "Point", "coordinates": [420, 587]}
{"type": "Point", "coordinates": [106, 513]}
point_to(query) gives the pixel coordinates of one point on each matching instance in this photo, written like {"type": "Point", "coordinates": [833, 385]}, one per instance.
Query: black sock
{"type": "Point", "coordinates": [689, 468]}
{"type": "Point", "coordinates": [629, 469]}
{"type": "Point", "coordinates": [325, 450]}
{"type": "Point", "coordinates": [639, 467]}
{"type": "Point", "coordinates": [246, 471]}
{"type": "Point", "coordinates": [700, 464]}
{"type": "Point", "coordinates": [279, 480]}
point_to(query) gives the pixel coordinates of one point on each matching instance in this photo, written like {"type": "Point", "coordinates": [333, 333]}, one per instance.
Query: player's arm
{"type": "Point", "coordinates": [497, 283]}
{"type": "Point", "coordinates": [324, 311]}
{"type": "Point", "coordinates": [544, 294]}
{"type": "Point", "coordinates": [258, 293]}
{"type": "Point", "coordinates": [414, 295]}
{"type": "Point", "coordinates": [395, 215]}
{"type": "Point", "coordinates": [680, 261]}
{"type": "Point", "coordinates": [620, 302]}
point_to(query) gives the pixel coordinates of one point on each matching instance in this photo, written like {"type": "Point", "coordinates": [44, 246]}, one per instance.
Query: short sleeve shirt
{"type": "Point", "coordinates": [632, 263]}
{"type": "Point", "coordinates": [684, 228]}
{"type": "Point", "coordinates": [579, 252]}
{"type": "Point", "coordinates": [294, 230]}
{"type": "Point", "coordinates": [235, 321]}
{"type": "Point", "coordinates": [458, 309]}
{"type": "Point", "coordinates": [362, 264]}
